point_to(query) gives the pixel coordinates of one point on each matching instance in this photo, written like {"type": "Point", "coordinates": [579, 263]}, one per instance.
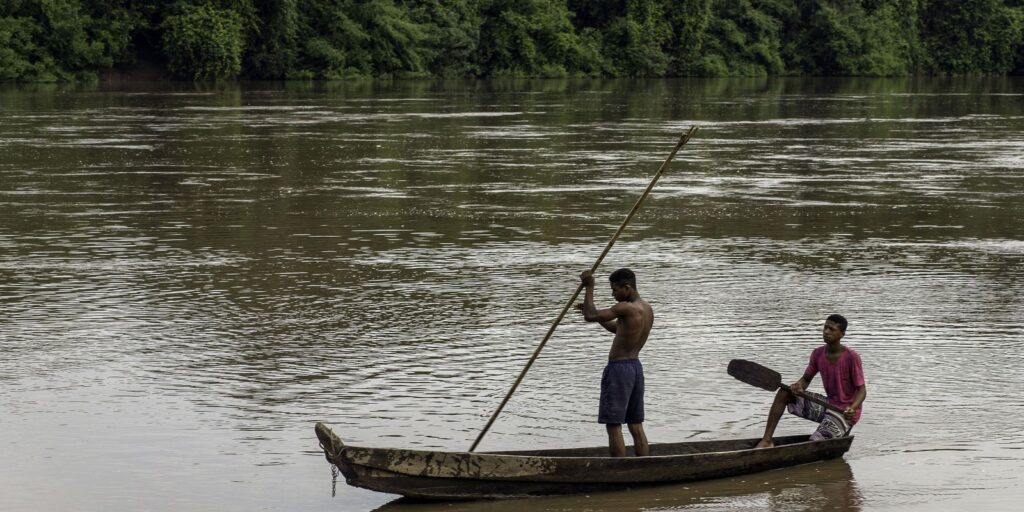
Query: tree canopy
{"type": "Point", "coordinates": [60, 40]}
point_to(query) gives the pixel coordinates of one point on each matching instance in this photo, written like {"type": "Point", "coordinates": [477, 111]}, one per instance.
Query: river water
{"type": "Point", "coordinates": [190, 278]}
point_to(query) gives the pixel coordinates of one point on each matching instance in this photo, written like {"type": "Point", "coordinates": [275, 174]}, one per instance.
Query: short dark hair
{"type": "Point", "coordinates": [840, 320]}
{"type": "Point", "coordinates": [623, 276]}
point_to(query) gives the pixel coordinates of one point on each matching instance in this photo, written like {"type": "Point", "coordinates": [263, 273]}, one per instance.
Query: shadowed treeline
{"type": "Point", "coordinates": [58, 40]}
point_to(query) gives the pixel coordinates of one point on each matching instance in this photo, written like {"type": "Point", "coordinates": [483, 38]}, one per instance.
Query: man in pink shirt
{"type": "Point", "coordinates": [843, 379]}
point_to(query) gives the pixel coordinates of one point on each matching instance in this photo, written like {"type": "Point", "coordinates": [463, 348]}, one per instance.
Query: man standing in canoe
{"type": "Point", "coordinates": [842, 376]}
{"type": "Point", "coordinates": [622, 384]}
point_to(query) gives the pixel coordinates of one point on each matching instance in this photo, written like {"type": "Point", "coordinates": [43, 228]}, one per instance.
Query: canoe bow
{"type": "Point", "coordinates": [330, 443]}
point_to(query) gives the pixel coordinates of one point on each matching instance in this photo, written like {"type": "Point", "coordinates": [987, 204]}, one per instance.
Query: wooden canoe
{"type": "Point", "coordinates": [436, 475]}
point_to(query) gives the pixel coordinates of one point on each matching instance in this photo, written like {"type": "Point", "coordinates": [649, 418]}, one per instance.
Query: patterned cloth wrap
{"type": "Point", "coordinates": [830, 423]}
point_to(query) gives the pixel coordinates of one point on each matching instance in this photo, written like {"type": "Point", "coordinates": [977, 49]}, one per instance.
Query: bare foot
{"type": "Point", "coordinates": [765, 444]}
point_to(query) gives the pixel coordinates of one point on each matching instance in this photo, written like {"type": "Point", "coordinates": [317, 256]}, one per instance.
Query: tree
{"type": "Point", "coordinates": [452, 29]}
{"type": "Point", "coordinates": [273, 52]}
{"type": "Point", "coordinates": [869, 38]}
{"type": "Point", "coordinates": [203, 42]}
{"type": "Point", "coordinates": [971, 36]}
{"type": "Point", "coordinates": [50, 40]}
{"type": "Point", "coordinates": [637, 39]}
{"type": "Point", "coordinates": [533, 37]}
{"type": "Point", "coordinates": [744, 38]}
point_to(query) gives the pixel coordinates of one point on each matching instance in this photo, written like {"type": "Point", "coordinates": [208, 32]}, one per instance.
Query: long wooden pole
{"type": "Point", "coordinates": [636, 207]}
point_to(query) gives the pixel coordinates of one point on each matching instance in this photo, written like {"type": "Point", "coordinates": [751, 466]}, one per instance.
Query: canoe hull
{"type": "Point", "coordinates": [489, 475]}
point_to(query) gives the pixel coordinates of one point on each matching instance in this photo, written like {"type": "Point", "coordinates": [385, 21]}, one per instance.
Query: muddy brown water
{"type": "Point", "coordinates": [191, 277]}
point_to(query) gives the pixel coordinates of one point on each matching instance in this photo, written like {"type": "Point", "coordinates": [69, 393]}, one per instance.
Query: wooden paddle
{"type": "Point", "coordinates": [769, 380]}
{"type": "Point", "coordinates": [636, 207]}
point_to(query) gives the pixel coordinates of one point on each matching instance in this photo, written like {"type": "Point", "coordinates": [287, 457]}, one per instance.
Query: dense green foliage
{"type": "Point", "coordinates": [54, 40]}
{"type": "Point", "coordinates": [203, 42]}
{"type": "Point", "coordinates": [50, 40]}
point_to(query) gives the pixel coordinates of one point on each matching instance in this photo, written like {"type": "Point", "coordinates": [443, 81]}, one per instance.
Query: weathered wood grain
{"type": "Point", "coordinates": [479, 475]}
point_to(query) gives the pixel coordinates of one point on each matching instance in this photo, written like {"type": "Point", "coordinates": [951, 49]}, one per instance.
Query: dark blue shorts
{"type": "Point", "coordinates": [622, 393]}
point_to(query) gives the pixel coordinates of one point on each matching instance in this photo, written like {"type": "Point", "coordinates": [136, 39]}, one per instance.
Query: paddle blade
{"type": "Point", "coordinates": [755, 374]}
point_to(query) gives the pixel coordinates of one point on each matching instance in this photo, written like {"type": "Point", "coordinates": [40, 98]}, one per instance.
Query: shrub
{"type": "Point", "coordinates": [203, 43]}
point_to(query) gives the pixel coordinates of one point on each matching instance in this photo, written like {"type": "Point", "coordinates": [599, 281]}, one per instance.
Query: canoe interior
{"type": "Point", "coordinates": [684, 448]}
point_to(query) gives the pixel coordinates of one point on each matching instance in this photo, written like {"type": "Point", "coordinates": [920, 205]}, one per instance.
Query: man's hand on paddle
{"type": "Point", "coordinates": [849, 412]}
{"type": "Point", "coordinates": [797, 387]}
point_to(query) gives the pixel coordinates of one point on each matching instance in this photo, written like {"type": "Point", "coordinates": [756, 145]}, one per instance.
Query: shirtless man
{"type": "Point", "coordinates": [622, 384]}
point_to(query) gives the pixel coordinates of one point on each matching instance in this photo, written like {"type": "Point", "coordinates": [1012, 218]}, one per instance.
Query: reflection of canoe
{"type": "Point", "coordinates": [462, 475]}
{"type": "Point", "coordinates": [825, 485]}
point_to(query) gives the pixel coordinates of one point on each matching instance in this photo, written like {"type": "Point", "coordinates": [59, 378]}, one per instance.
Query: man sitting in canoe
{"type": "Point", "coordinates": [622, 384]}
{"type": "Point", "coordinates": [843, 378]}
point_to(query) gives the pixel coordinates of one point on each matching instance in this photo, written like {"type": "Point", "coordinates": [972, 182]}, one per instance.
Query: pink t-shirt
{"type": "Point", "coordinates": [840, 379]}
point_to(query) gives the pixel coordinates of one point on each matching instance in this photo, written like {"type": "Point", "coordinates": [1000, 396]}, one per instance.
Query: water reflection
{"type": "Point", "coordinates": [827, 485]}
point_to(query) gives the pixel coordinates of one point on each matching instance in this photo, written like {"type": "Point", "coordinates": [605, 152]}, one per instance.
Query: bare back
{"type": "Point", "coordinates": [634, 320]}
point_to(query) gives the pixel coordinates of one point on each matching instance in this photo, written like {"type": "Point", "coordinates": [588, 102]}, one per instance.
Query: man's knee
{"type": "Point", "coordinates": [784, 395]}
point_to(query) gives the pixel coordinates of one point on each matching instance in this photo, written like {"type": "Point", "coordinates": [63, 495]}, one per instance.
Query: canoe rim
{"type": "Point", "coordinates": [334, 448]}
